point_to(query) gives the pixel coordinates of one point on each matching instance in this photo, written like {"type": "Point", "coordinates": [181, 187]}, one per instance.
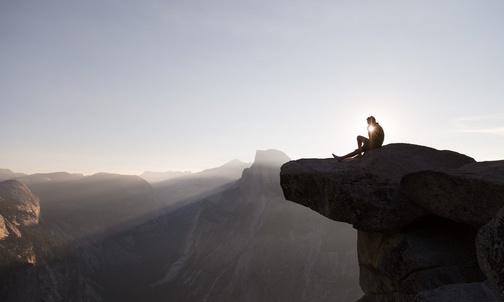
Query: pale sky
{"type": "Point", "coordinates": [128, 86]}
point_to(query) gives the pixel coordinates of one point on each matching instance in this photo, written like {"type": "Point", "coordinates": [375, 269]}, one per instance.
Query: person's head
{"type": "Point", "coordinates": [371, 120]}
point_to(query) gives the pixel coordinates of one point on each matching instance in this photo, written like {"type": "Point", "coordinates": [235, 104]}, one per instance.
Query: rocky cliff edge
{"type": "Point", "coordinates": [428, 220]}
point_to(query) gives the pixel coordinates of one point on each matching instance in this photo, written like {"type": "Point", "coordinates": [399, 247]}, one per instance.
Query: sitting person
{"type": "Point", "coordinates": [375, 140]}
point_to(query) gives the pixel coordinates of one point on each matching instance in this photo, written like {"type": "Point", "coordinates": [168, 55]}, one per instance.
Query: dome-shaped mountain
{"type": "Point", "coordinates": [27, 206]}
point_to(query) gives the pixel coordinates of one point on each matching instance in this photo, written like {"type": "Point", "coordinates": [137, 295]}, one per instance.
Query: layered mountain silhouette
{"type": "Point", "coordinates": [6, 174]}
{"type": "Point", "coordinates": [91, 205]}
{"type": "Point", "coordinates": [153, 177]}
{"type": "Point", "coordinates": [181, 190]}
{"type": "Point", "coordinates": [224, 234]}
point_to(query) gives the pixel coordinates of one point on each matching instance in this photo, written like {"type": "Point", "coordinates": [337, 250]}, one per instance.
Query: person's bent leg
{"type": "Point", "coordinates": [361, 140]}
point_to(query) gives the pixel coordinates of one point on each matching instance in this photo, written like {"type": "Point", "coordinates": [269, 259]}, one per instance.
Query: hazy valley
{"type": "Point", "coordinates": [223, 234]}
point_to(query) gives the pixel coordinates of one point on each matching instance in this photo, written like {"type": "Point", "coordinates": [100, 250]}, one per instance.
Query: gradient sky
{"type": "Point", "coordinates": [129, 86]}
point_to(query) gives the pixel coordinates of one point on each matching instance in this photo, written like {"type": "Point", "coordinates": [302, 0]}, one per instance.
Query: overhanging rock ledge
{"type": "Point", "coordinates": [427, 220]}
{"type": "Point", "coordinates": [365, 191]}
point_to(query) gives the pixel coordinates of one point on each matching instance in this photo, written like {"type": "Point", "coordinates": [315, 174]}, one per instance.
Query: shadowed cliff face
{"type": "Point", "coordinates": [418, 211]}
{"type": "Point", "coordinates": [19, 209]}
{"type": "Point", "coordinates": [18, 196]}
{"type": "Point", "coordinates": [52, 258]}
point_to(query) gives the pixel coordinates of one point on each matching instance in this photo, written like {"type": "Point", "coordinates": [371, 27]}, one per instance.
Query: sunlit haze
{"type": "Point", "coordinates": [129, 86]}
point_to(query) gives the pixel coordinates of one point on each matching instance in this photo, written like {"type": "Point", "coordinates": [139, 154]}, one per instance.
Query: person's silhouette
{"type": "Point", "coordinates": [376, 136]}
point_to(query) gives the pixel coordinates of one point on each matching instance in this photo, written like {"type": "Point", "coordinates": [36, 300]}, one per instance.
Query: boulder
{"type": "Point", "coordinates": [459, 194]}
{"type": "Point", "coordinates": [426, 254]}
{"type": "Point", "coordinates": [490, 248]}
{"type": "Point", "coordinates": [468, 292]}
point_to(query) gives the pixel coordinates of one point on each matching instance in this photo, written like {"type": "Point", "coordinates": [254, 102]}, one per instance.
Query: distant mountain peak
{"type": "Point", "coordinates": [6, 174]}
{"type": "Point", "coordinates": [270, 157]}
{"type": "Point", "coordinates": [231, 169]}
{"type": "Point", "coordinates": [235, 163]}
